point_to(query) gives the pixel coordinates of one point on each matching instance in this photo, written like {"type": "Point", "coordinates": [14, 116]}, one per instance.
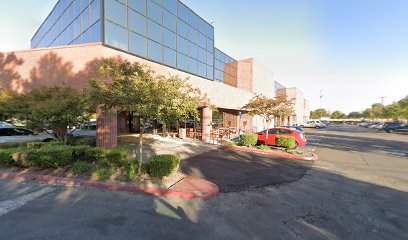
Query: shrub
{"type": "Point", "coordinates": [95, 154]}
{"type": "Point", "coordinates": [35, 145]}
{"type": "Point", "coordinates": [80, 167]}
{"type": "Point", "coordinates": [232, 144]}
{"type": "Point", "coordinates": [79, 152]}
{"type": "Point", "coordinates": [264, 148]}
{"type": "Point", "coordinates": [23, 158]}
{"type": "Point", "coordinates": [101, 173]}
{"type": "Point", "coordinates": [76, 141]}
{"type": "Point", "coordinates": [52, 156]}
{"type": "Point", "coordinates": [6, 155]}
{"type": "Point", "coordinates": [163, 165]}
{"type": "Point", "coordinates": [132, 169]}
{"type": "Point", "coordinates": [117, 157]}
{"type": "Point", "coordinates": [249, 139]}
{"type": "Point", "coordinates": [286, 142]}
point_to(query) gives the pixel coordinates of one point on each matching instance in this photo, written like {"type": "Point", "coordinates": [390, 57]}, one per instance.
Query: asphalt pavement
{"type": "Point", "coordinates": [357, 190]}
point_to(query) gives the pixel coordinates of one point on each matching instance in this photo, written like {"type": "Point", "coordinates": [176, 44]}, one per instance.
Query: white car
{"type": "Point", "coordinates": [313, 124]}
{"type": "Point", "coordinates": [14, 136]}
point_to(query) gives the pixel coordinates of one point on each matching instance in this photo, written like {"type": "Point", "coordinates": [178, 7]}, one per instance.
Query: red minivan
{"type": "Point", "coordinates": [273, 132]}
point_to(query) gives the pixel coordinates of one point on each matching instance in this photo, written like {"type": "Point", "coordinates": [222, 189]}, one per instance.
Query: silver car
{"type": "Point", "coordinates": [14, 136]}
{"type": "Point", "coordinates": [313, 124]}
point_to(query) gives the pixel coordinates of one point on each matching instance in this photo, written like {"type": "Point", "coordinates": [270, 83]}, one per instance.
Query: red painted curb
{"type": "Point", "coordinates": [69, 182]}
{"type": "Point", "coordinates": [269, 153]}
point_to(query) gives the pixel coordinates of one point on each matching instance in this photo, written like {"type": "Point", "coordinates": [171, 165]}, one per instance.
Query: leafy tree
{"type": "Point", "coordinates": [368, 113]}
{"type": "Point", "coordinates": [268, 108]}
{"type": "Point", "coordinates": [377, 110]}
{"type": "Point", "coordinates": [6, 106]}
{"type": "Point", "coordinates": [354, 115]}
{"type": "Point", "coordinates": [338, 115]}
{"type": "Point", "coordinates": [132, 87]}
{"type": "Point", "coordinates": [319, 113]}
{"type": "Point", "coordinates": [52, 108]}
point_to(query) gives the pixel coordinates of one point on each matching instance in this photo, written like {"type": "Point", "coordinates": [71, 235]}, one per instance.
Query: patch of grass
{"type": "Point", "coordinates": [80, 168]}
{"type": "Point", "coordinates": [264, 148]}
{"type": "Point", "coordinates": [101, 173]}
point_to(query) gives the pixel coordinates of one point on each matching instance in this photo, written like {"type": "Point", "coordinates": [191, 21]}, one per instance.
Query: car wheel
{"type": "Point", "coordinates": [302, 126]}
{"type": "Point", "coordinates": [317, 127]}
{"type": "Point", "coordinates": [390, 130]}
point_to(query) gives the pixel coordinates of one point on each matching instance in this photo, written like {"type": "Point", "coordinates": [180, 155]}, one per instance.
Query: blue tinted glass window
{"type": "Point", "coordinates": [77, 7]}
{"type": "Point", "coordinates": [202, 27]}
{"type": "Point", "coordinates": [182, 45]}
{"type": "Point", "coordinates": [170, 5]}
{"type": "Point", "coordinates": [182, 62]}
{"type": "Point", "coordinates": [202, 55]}
{"type": "Point", "coordinates": [85, 20]}
{"type": "Point", "coordinates": [70, 14]}
{"type": "Point", "coordinates": [122, 1]}
{"type": "Point", "coordinates": [182, 29]}
{"type": "Point", "coordinates": [170, 39]}
{"type": "Point", "coordinates": [155, 32]}
{"type": "Point", "coordinates": [210, 59]}
{"type": "Point", "coordinates": [210, 31]}
{"type": "Point", "coordinates": [170, 21]}
{"type": "Point", "coordinates": [210, 72]}
{"type": "Point", "coordinates": [202, 69]}
{"type": "Point", "coordinates": [210, 45]}
{"type": "Point", "coordinates": [137, 22]}
{"type": "Point", "coordinates": [116, 12]}
{"type": "Point", "coordinates": [193, 35]}
{"type": "Point", "coordinates": [86, 36]}
{"type": "Point", "coordinates": [202, 40]}
{"type": "Point", "coordinates": [138, 5]}
{"type": "Point", "coordinates": [94, 11]}
{"type": "Point", "coordinates": [85, 4]}
{"type": "Point", "coordinates": [193, 19]}
{"type": "Point", "coordinates": [96, 32]}
{"type": "Point", "coordinates": [193, 66]}
{"type": "Point", "coordinates": [170, 57]}
{"type": "Point", "coordinates": [155, 12]}
{"type": "Point", "coordinates": [155, 51]}
{"type": "Point", "coordinates": [70, 33]}
{"type": "Point", "coordinates": [137, 44]}
{"type": "Point", "coordinates": [116, 36]}
{"type": "Point", "coordinates": [77, 27]}
{"type": "Point", "coordinates": [193, 50]}
{"type": "Point", "coordinates": [182, 12]}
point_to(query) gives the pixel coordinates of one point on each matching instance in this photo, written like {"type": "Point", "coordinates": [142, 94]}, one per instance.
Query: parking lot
{"type": "Point", "coordinates": [358, 189]}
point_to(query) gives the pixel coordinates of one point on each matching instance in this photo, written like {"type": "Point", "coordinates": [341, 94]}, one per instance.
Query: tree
{"type": "Point", "coordinates": [132, 87]}
{"type": "Point", "coordinates": [319, 113]}
{"type": "Point", "coordinates": [6, 105]}
{"type": "Point", "coordinates": [52, 108]}
{"type": "Point", "coordinates": [338, 115]}
{"type": "Point", "coordinates": [354, 115]}
{"type": "Point", "coordinates": [268, 108]}
{"type": "Point", "coordinates": [368, 113]}
{"type": "Point", "coordinates": [377, 110]}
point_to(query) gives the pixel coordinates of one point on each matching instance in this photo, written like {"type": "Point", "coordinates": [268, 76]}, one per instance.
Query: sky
{"type": "Point", "coordinates": [353, 51]}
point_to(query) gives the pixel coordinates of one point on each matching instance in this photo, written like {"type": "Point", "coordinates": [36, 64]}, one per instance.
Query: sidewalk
{"type": "Point", "coordinates": [187, 187]}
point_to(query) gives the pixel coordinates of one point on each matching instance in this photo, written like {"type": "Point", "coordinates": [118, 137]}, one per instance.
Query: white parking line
{"type": "Point", "coordinates": [13, 204]}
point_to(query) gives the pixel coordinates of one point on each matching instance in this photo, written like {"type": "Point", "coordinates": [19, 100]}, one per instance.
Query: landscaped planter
{"type": "Point", "coordinates": [312, 157]}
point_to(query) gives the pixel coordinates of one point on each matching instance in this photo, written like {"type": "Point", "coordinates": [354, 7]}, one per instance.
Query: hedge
{"type": "Point", "coordinates": [95, 154]}
{"type": "Point", "coordinates": [52, 156]}
{"type": "Point", "coordinates": [286, 142]}
{"type": "Point", "coordinates": [249, 140]}
{"type": "Point", "coordinates": [118, 157]}
{"type": "Point", "coordinates": [163, 165]}
{"type": "Point", "coordinates": [6, 155]}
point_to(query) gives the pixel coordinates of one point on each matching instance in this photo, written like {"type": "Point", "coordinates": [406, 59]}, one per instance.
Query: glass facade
{"type": "Point", "coordinates": [70, 22]}
{"type": "Point", "coordinates": [277, 87]}
{"type": "Point", "coordinates": [225, 67]}
{"type": "Point", "coordinates": [164, 31]}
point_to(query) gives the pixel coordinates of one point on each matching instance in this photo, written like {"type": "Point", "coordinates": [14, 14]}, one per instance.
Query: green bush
{"type": "Point", "coordinates": [249, 139]}
{"type": "Point", "coordinates": [117, 157]}
{"type": "Point", "coordinates": [80, 167]}
{"type": "Point", "coordinates": [6, 155]}
{"type": "Point", "coordinates": [286, 142]}
{"type": "Point", "coordinates": [163, 165]}
{"type": "Point", "coordinates": [76, 141]}
{"type": "Point", "coordinates": [52, 156]}
{"type": "Point", "coordinates": [132, 169]}
{"type": "Point", "coordinates": [79, 152]}
{"type": "Point", "coordinates": [264, 148]}
{"type": "Point", "coordinates": [35, 145]}
{"type": "Point", "coordinates": [232, 144]}
{"type": "Point", "coordinates": [101, 173]}
{"type": "Point", "coordinates": [95, 154]}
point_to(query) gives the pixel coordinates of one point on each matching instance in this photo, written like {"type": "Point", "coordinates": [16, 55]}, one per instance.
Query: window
{"type": "Point", "coordinates": [155, 51]}
{"type": "Point", "coordinates": [77, 27]}
{"type": "Point", "coordinates": [94, 12]}
{"type": "Point", "coordinates": [272, 131]}
{"type": "Point", "coordinates": [182, 29]}
{"type": "Point", "coordinates": [193, 35]}
{"type": "Point", "coordinates": [155, 32]}
{"type": "Point", "coordinates": [170, 57]}
{"type": "Point", "coordinates": [170, 5]}
{"type": "Point", "coordinates": [138, 5]}
{"type": "Point", "coordinates": [155, 12]}
{"type": "Point", "coordinates": [170, 21]}
{"type": "Point", "coordinates": [182, 12]}
{"type": "Point", "coordinates": [116, 12]}
{"type": "Point", "coordinates": [170, 39]}
{"type": "Point", "coordinates": [116, 36]}
{"type": "Point", "coordinates": [96, 32]}
{"type": "Point", "coordinates": [202, 69]}
{"type": "Point", "coordinates": [137, 22]}
{"type": "Point", "coordinates": [193, 66]}
{"type": "Point", "coordinates": [182, 45]}
{"type": "Point", "coordinates": [85, 20]}
{"type": "Point", "coordinates": [193, 19]}
{"type": "Point", "coordinates": [183, 62]}
{"type": "Point", "coordinates": [137, 44]}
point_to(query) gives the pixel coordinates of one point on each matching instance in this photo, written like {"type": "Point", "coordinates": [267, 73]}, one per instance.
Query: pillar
{"type": "Point", "coordinates": [291, 121]}
{"type": "Point", "coordinates": [207, 124]}
{"type": "Point", "coordinates": [106, 128]}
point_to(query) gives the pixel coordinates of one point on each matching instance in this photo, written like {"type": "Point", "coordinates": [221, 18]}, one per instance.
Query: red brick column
{"type": "Point", "coordinates": [207, 124]}
{"type": "Point", "coordinates": [106, 128]}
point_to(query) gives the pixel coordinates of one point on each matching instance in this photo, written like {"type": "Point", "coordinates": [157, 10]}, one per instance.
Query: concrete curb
{"type": "Point", "coordinates": [211, 190]}
{"type": "Point", "coordinates": [270, 153]}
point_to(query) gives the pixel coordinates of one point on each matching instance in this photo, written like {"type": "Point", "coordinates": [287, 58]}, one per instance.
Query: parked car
{"type": "Point", "coordinates": [273, 132]}
{"type": "Point", "coordinates": [325, 122]}
{"type": "Point", "coordinates": [313, 124]}
{"type": "Point", "coordinates": [295, 128]}
{"type": "Point", "coordinates": [379, 126]}
{"type": "Point", "coordinates": [373, 125]}
{"type": "Point", "coordinates": [85, 130]}
{"type": "Point", "coordinates": [11, 136]}
{"type": "Point", "coordinates": [396, 127]}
